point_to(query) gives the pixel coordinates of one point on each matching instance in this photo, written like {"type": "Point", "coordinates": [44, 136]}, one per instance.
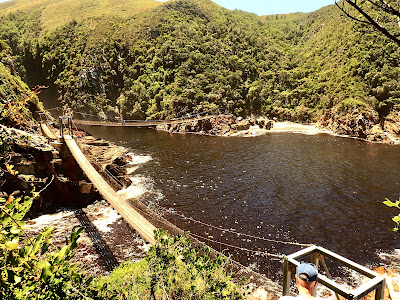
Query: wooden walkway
{"type": "Point", "coordinates": [138, 123]}
{"type": "Point", "coordinates": [130, 215]}
{"type": "Point", "coordinates": [48, 131]}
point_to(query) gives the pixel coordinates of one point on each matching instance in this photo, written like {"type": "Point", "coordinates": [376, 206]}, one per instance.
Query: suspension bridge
{"type": "Point", "coordinates": [138, 215]}
{"type": "Point", "coordinates": [138, 123]}
{"type": "Point", "coordinates": [133, 123]}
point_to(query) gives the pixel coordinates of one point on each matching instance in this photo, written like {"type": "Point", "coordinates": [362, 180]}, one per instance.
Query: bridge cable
{"type": "Point", "coordinates": [258, 252]}
{"type": "Point", "coordinates": [54, 108]}
{"type": "Point", "coordinates": [203, 243]}
{"type": "Point", "coordinates": [86, 114]}
{"type": "Point", "coordinates": [231, 230]}
{"type": "Point", "coordinates": [108, 173]}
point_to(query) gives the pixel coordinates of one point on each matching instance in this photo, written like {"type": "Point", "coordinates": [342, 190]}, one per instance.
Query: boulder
{"type": "Point", "coordinates": [207, 125]}
{"type": "Point", "coordinates": [242, 125]}
{"type": "Point", "coordinates": [392, 127]}
{"type": "Point", "coordinates": [264, 123]}
{"type": "Point", "coordinates": [225, 129]}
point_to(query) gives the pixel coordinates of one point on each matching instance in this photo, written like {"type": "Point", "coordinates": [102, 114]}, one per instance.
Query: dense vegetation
{"type": "Point", "coordinates": [173, 269]}
{"type": "Point", "coordinates": [143, 59]}
{"type": "Point", "coordinates": [17, 101]}
{"type": "Point", "coordinates": [193, 55]}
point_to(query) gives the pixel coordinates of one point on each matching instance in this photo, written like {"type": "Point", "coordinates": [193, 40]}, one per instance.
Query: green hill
{"type": "Point", "coordinates": [18, 103]}
{"type": "Point", "coordinates": [191, 55]}
{"type": "Point", "coordinates": [56, 13]}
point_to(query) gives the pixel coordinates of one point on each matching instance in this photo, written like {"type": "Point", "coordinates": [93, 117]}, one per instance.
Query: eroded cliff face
{"type": "Point", "coordinates": [39, 164]}
{"type": "Point", "coordinates": [363, 125]}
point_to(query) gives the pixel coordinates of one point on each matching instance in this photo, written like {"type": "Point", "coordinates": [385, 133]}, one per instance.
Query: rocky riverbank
{"type": "Point", "coordinates": [363, 125]}
{"type": "Point", "coordinates": [37, 163]}
{"type": "Point", "coordinates": [221, 125]}
{"type": "Point", "coordinates": [68, 200]}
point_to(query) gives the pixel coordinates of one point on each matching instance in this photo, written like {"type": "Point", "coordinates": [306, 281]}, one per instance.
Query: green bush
{"type": "Point", "coordinates": [5, 141]}
{"type": "Point", "coordinates": [395, 219]}
{"type": "Point", "coordinates": [173, 269]}
{"type": "Point", "coordinates": [28, 270]}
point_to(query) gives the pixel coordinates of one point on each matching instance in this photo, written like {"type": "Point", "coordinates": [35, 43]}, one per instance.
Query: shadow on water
{"type": "Point", "coordinates": [106, 256]}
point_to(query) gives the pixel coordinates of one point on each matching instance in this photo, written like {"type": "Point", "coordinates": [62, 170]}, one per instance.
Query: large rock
{"type": "Point", "coordinates": [364, 125]}
{"type": "Point", "coordinates": [221, 125]}
{"type": "Point", "coordinates": [264, 123]}
{"type": "Point", "coordinates": [225, 129]}
{"type": "Point", "coordinates": [242, 125]}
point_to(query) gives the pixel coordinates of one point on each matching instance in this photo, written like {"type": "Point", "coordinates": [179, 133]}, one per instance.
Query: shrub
{"type": "Point", "coordinates": [173, 269]}
{"type": "Point", "coordinates": [28, 269]}
{"type": "Point", "coordinates": [395, 219]}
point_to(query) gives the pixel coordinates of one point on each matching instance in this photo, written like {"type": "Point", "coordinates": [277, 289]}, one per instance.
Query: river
{"type": "Point", "coordinates": [314, 189]}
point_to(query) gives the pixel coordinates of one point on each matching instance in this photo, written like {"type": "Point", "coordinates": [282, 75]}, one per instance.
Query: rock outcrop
{"type": "Point", "coordinates": [36, 164]}
{"type": "Point", "coordinates": [221, 125]}
{"type": "Point", "coordinates": [362, 125]}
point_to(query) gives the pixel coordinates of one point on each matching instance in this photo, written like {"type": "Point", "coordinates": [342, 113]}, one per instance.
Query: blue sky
{"type": "Point", "coordinates": [270, 7]}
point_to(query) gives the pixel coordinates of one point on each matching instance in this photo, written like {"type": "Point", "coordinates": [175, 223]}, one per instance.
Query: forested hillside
{"type": "Point", "coordinates": [168, 59]}
{"type": "Point", "coordinates": [18, 103]}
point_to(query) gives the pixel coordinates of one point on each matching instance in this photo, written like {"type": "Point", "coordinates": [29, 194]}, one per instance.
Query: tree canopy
{"type": "Point", "coordinates": [193, 55]}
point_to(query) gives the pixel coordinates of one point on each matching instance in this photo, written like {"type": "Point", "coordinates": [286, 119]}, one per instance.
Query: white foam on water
{"type": "Point", "coordinates": [136, 162]}
{"type": "Point", "coordinates": [141, 186]}
{"type": "Point", "coordinates": [104, 218]}
{"type": "Point", "coordinates": [131, 170]}
{"type": "Point", "coordinates": [251, 132]}
{"type": "Point", "coordinates": [395, 139]}
{"type": "Point", "coordinates": [139, 159]}
{"type": "Point", "coordinates": [48, 220]}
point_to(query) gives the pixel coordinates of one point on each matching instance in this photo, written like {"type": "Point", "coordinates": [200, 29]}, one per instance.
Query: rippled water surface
{"type": "Point", "coordinates": [317, 189]}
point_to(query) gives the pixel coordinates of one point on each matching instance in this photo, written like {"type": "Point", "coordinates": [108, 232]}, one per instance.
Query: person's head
{"type": "Point", "coordinates": [306, 277]}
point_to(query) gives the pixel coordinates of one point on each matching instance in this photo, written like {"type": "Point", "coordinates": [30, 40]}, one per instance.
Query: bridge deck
{"type": "Point", "coordinates": [138, 123]}
{"type": "Point", "coordinates": [48, 131]}
{"type": "Point", "coordinates": [130, 215]}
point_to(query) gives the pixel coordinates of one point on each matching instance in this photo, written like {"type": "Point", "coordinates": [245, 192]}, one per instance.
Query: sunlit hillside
{"type": "Point", "coordinates": [284, 17]}
{"type": "Point", "coordinates": [146, 59]}
{"type": "Point", "coordinates": [57, 13]}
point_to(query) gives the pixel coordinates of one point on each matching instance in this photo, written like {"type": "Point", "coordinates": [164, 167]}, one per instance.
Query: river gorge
{"type": "Point", "coordinates": [314, 189]}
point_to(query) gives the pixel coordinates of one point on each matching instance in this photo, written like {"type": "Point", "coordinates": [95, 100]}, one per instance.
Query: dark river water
{"type": "Point", "coordinates": [314, 189]}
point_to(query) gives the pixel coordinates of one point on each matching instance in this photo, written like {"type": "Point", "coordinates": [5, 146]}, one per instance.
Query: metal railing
{"type": "Point", "coordinates": [65, 123]}
{"type": "Point", "coordinates": [318, 254]}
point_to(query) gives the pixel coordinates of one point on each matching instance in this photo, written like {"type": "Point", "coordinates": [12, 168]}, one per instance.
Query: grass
{"type": "Point", "coordinates": [56, 13]}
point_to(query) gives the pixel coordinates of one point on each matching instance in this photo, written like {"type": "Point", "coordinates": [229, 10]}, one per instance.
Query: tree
{"type": "Point", "coordinates": [28, 269]}
{"type": "Point", "coordinates": [384, 15]}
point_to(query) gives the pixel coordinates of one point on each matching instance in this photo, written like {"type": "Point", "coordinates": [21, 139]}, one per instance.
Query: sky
{"type": "Point", "coordinates": [271, 7]}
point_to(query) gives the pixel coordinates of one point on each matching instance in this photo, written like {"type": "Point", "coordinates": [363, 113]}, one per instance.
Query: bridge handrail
{"type": "Point", "coordinates": [97, 166]}
{"type": "Point", "coordinates": [132, 216]}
